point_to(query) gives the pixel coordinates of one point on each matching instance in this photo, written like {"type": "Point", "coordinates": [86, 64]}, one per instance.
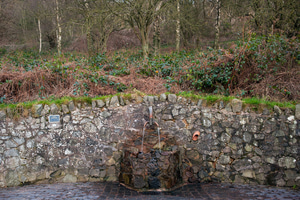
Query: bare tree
{"type": "Point", "coordinates": [139, 14]}
{"type": "Point", "coordinates": [37, 10]}
{"type": "Point", "coordinates": [190, 23]}
{"type": "Point", "coordinates": [88, 25]}
{"type": "Point", "coordinates": [98, 23]}
{"type": "Point", "coordinates": [3, 21]}
{"type": "Point", "coordinates": [270, 14]}
{"type": "Point", "coordinates": [218, 23]}
{"type": "Point", "coordinates": [58, 23]}
{"type": "Point", "coordinates": [178, 26]}
{"type": "Point", "coordinates": [156, 25]}
{"type": "Point", "coordinates": [27, 23]}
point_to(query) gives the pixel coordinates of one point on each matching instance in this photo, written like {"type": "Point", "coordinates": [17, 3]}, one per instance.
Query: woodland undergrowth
{"type": "Point", "coordinates": [262, 67]}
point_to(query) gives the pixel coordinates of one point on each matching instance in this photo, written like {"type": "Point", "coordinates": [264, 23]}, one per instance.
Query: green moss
{"type": "Point", "coordinates": [102, 97]}
{"type": "Point", "coordinates": [188, 95]}
{"type": "Point", "coordinates": [127, 97]}
{"type": "Point", "coordinates": [9, 106]}
{"type": "Point", "coordinates": [64, 100]}
{"type": "Point", "coordinates": [83, 100]}
{"type": "Point", "coordinates": [15, 110]}
{"type": "Point", "coordinates": [227, 98]}
{"type": "Point", "coordinates": [28, 105]}
{"type": "Point", "coordinates": [209, 98]}
{"type": "Point", "coordinates": [139, 93]}
{"type": "Point", "coordinates": [269, 104]}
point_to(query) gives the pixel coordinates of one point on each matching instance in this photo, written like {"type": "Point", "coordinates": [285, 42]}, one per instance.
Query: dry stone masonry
{"type": "Point", "coordinates": [235, 144]}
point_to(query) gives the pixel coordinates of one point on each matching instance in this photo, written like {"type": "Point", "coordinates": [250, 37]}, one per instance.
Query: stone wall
{"type": "Point", "coordinates": [235, 143]}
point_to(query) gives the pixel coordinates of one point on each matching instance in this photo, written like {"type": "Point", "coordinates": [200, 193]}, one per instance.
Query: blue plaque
{"type": "Point", "coordinates": [54, 118]}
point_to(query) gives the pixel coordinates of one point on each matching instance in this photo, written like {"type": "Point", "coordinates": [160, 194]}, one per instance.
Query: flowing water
{"type": "Point", "coordinates": [158, 139]}
{"type": "Point", "coordinates": [143, 140]}
{"type": "Point", "coordinates": [142, 146]}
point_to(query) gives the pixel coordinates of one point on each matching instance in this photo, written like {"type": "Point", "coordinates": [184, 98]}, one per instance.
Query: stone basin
{"type": "Point", "coordinates": [151, 171]}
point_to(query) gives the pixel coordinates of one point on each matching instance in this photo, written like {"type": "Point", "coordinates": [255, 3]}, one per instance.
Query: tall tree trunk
{"type": "Point", "coordinates": [218, 23]}
{"type": "Point", "coordinates": [24, 25]}
{"type": "Point", "coordinates": [104, 44]}
{"type": "Point", "coordinates": [106, 33]}
{"type": "Point", "coordinates": [156, 25]}
{"type": "Point", "coordinates": [145, 47]}
{"type": "Point", "coordinates": [145, 43]}
{"type": "Point", "coordinates": [40, 35]}
{"type": "Point", "coordinates": [58, 28]}
{"type": "Point", "coordinates": [178, 27]}
{"type": "Point", "coordinates": [156, 37]}
{"type": "Point", "coordinates": [71, 31]}
{"type": "Point", "coordinates": [88, 29]}
{"type": "Point", "coordinates": [203, 7]}
{"type": "Point", "coordinates": [89, 40]}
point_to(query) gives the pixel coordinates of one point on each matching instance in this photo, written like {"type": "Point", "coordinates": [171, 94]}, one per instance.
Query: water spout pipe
{"type": "Point", "coordinates": [151, 121]}
{"type": "Point", "coordinates": [150, 116]}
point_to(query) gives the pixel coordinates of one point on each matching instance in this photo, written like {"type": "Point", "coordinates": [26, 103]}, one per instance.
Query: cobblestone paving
{"type": "Point", "coordinates": [116, 191]}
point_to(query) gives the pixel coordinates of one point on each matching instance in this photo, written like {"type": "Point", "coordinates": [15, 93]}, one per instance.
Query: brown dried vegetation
{"type": "Point", "coordinates": [36, 84]}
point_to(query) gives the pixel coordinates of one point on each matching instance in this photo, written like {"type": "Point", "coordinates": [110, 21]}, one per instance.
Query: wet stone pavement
{"type": "Point", "coordinates": [116, 191]}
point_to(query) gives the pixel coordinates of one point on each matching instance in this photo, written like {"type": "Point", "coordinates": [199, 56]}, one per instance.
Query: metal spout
{"type": "Point", "coordinates": [151, 122]}
{"type": "Point", "coordinates": [150, 116]}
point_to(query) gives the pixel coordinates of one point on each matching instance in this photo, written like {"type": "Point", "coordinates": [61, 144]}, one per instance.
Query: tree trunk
{"type": "Point", "coordinates": [24, 25]}
{"type": "Point", "coordinates": [145, 43]}
{"type": "Point", "coordinates": [89, 41]}
{"type": "Point", "coordinates": [104, 39]}
{"type": "Point", "coordinates": [156, 25]}
{"type": "Point", "coordinates": [40, 35]}
{"type": "Point", "coordinates": [51, 40]}
{"type": "Point", "coordinates": [88, 29]}
{"type": "Point", "coordinates": [203, 7]}
{"type": "Point", "coordinates": [58, 28]}
{"type": "Point", "coordinates": [156, 37]}
{"type": "Point", "coordinates": [178, 27]}
{"type": "Point", "coordinates": [145, 47]}
{"type": "Point", "coordinates": [104, 44]}
{"type": "Point", "coordinates": [217, 25]}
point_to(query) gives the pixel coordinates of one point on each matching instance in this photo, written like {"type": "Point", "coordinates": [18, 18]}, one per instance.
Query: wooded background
{"type": "Point", "coordinates": [95, 26]}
